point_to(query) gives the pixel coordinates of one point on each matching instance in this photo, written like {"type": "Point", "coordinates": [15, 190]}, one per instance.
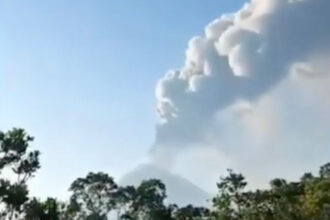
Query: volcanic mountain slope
{"type": "Point", "coordinates": [179, 190]}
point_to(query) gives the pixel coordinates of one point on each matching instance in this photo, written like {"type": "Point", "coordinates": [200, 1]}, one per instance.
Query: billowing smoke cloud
{"type": "Point", "coordinates": [233, 92]}
{"type": "Point", "coordinates": [253, 95]}
{"type": "Point", "coordinates": [241, 57]}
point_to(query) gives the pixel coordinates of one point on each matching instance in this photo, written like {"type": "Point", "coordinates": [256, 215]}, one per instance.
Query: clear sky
{"type": "Point", "coordinates": [80, 76]}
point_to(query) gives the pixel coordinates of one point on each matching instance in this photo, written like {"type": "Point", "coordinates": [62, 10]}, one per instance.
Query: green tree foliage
{"type": "Point", "coordinates": [98, 197]}
{"type": "Point", "coordinates": [93, 196]}
{"type": "Point", "coordinates": [190, 212]}
{"type": "Point", "coordinates": [17, 166]}
{"type": "Point", "coordinates": [308, 199]}
{"type": "Point", "coordinates": [146, 201]}
{"type": "Point", "coordinates": [51, 209]}
{"type": "Point", "coordinates": [230, 200]}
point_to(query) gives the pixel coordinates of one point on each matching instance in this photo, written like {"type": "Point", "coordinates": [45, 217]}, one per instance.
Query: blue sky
{"type": "Point", "coordinates": [80, 76]}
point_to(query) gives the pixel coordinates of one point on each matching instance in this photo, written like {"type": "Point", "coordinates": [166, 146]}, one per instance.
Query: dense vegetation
{"type": "Point", "coordinates": [98, 197]}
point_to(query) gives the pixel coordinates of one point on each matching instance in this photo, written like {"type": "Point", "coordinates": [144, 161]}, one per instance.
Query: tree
{"type": "Point", "coordinates": [316, 200]}
{"type": "Point", "coordinates": [190, 212]}
{"type": "Point", "coordinates": [325, 171]}
{"type": "Point", "coordinates": [146, 201]}
{"type": "Point", "coordinates": [229, 202]}
{"type": "Point", "coordinates": [50, 209]}
{"type": "Point", "coordinates": [19, 165]}
{"type": "Point", "coordinates": [93, 196]}
{"type": "Point", "coordinates": [97, 196]}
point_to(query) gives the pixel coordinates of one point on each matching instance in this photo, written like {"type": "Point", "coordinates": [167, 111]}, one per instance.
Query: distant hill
{"type": "Point", "coordinates": [179, 190]}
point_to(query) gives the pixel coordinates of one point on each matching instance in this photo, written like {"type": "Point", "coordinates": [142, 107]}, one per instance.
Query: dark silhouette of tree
{"type": "Point", "coordinates": [98, 197]}
{"type": "Point", "coordinates": [50, 209]}
{"type": "Point", "coordinates": [146, 201]}
{"type": "Point", "coordinates": [308, 199]}
{"type": "Point", "coordinates": [20, 165]}
{"type": "Point", "coordinates": [190, 212]}
{"type": "Point", "coordinates": [325, 171]}
{"type": "Point", "coordinates": [230, 192]}
{"type": "Point", "coordinates": [93, 196]}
